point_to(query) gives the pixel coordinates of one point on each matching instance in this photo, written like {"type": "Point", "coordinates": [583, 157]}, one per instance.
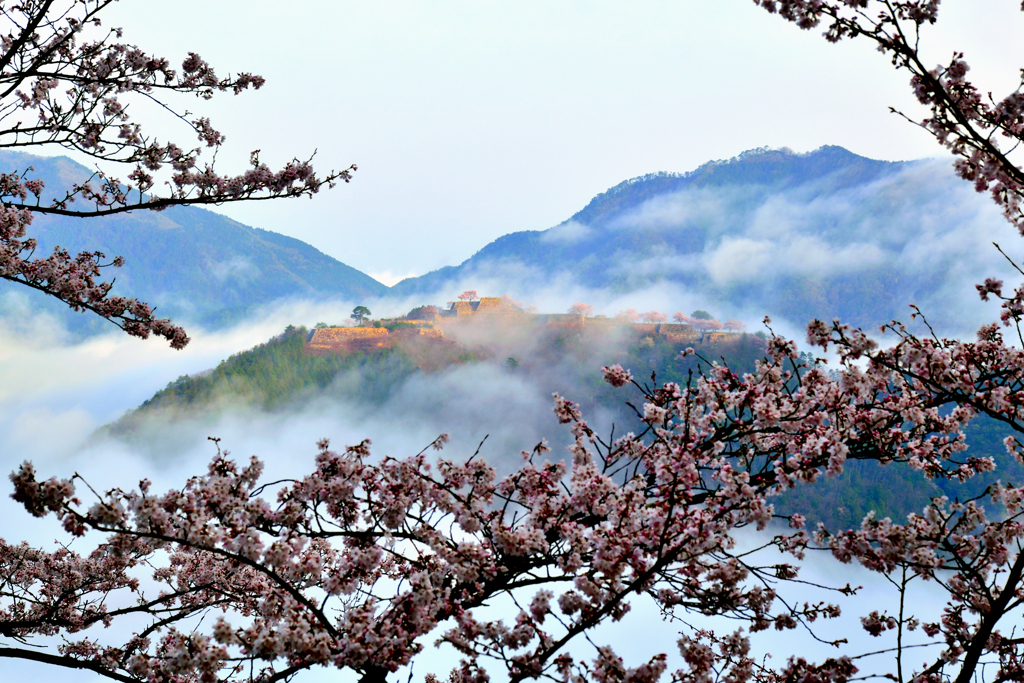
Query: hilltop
{"type": "Point", "coordinates": [489, 318]}
{"type": "Point", "coordinates": [823, 234]}
{"type": "Point", "coordinates": [365, 365]}
{"type": "Point", "coordinates": [194, 265]}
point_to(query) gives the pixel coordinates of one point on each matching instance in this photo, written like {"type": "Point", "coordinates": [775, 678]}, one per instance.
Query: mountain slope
{"type": "Point", "coordinates": [194, 265]}
{"type": "Point", "coordinates": [823, 234]}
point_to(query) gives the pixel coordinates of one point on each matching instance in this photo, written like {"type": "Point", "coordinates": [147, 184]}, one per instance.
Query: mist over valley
{"type": "Point", "coordinates": [792, 236]}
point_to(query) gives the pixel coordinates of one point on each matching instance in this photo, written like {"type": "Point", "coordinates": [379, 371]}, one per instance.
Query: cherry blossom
{"type": "Point", "coordinates": [67, 82]}
{"type": "Point", "coordinates": [354, 564]}
{"type": "Point", "coordinates": [580, 308]}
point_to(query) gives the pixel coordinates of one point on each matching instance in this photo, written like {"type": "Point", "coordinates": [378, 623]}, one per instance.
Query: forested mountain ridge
{"type": "Point", "coordinates": [194, 265]}
{"type": "Point", "coordinates": [283, 376]}
{"type": "Point", "coordinates": [823, 234]}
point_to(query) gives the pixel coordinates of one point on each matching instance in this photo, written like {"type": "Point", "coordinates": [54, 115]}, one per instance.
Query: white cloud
{"type": "Point", "coordinates": [742, 259]}
{"type": "Point", "coordinates": [739, 258]}
{"type": "Point", "coordinates": [235, 269]}
{"type": "Point", "coordinates": [567, 233]}
{"type": "Point", "coordinates": [692, 206]}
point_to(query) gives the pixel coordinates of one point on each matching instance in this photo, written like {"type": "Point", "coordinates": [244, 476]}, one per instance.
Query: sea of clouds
{"type": "Point", "coordinates": [54, 394]}
{"type": "Point", "coordinates": [55, 391]}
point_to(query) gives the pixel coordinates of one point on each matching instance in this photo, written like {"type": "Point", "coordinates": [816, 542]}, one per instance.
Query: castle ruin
{"type": "Point", "coordinates": [429, 322]}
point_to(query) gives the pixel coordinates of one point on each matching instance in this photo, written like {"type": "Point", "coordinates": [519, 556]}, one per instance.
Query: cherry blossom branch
{"type": "Point", "coordinates": [66, 662]}
{"type": "Point", "coordinates": [961, 119]}
{"type": "Point", "coordinates": [66, 82]}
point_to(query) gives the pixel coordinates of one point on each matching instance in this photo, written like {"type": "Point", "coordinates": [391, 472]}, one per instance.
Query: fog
{"type": "Point", "coordinates": [55, 393]}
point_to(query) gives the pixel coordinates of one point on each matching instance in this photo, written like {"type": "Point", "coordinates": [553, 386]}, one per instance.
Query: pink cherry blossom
{"type": "Point", "coordinates": [69, 82]}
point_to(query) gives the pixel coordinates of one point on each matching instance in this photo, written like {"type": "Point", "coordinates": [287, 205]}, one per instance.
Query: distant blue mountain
{"type": "Point", "coordinates": [823, 234]}
{"type": "Point", "coordinates": [193, 265]}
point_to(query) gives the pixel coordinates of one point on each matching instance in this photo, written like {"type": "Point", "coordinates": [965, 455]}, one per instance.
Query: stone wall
{"type": "Point", "coordinates": [603, 322]}
{"type": "Point", "coordinates": [464, 307]}
{"type": "Point", "coordinates": [352, 339]}
{"type": "Point", "coordinates": [676, 328]}
{"type": "Point", "coordinates": [493, 305]}
{"type": "Point", "coordinates": [460, 312]}
{"type": "Point", "coordinates": [417, 333]}
{"type": "Point", "coordinates": [331, 337]}
{"type": "Point", "coordinates": [560, 319]}
{"type": "Point", "coordinates": [422, 314]}
{"type": "Point", "coordinates": [410, 321]}
{"type": "Point", "coordinates": [356, 339]}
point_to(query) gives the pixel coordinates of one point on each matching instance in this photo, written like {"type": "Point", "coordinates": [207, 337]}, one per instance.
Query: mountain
{"type": "Point", "coordinates": [194, 265]}
{"type": "Point", "coordinates": [796, 236]}
{"type": "Point", "coordinates": [823, 234]}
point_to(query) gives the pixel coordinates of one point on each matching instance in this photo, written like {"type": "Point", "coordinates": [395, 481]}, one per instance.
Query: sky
{"type": "Point", "coordinates": [470, 120]}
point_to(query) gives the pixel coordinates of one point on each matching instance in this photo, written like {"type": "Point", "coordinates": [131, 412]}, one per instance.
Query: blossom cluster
{"type": "Point", "coordinates": [353, 565]}
{"type": "Point", "coordinates": [75, 280]}
{"type": "Point", "coordinates": [68, 82]}
{"type": "Point", "coordinates": [356, 564]}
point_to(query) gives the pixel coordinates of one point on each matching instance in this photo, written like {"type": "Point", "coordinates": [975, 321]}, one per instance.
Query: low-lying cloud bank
{"type": "Point", "coordinates": [54, 394]}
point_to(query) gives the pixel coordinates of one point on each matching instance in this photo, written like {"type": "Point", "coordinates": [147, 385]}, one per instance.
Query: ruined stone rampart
{"type": "Point", "coordinates": [356, 339]}
{"type": "Point", "coordinates": [501, 310]}
{"type": "Point", "coordinates": [460, 312]}
{"type": "Point", "coordinates": [423, 314]}
{"type": "Point", "coordinates": [561, 319]}
{"type": "Point", "coordinates": [464, 307]}
{"type": "Point", "coordinates": [603, 322]}
{"type": "Point", "coordinates": [493, 305]}
{"type": "Point", "coordinates": [677, 332]}
{"type": "Point", "coordinates": [417, 333]}
{"type": "Point", "coordinates": [335, 337]}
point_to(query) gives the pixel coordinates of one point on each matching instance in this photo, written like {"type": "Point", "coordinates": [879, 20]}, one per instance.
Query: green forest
{"type": "Point", "coordinates": [271, 376]}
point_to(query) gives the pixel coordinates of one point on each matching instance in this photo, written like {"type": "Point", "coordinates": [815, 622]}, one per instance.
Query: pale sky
{"type": "Point", "coordinates": [470, 119]}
